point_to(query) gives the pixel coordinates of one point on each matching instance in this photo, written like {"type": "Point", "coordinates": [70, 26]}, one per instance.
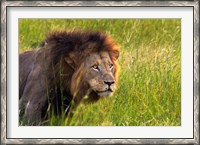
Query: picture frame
{"type": "Point", "coordinates": [5, 5]}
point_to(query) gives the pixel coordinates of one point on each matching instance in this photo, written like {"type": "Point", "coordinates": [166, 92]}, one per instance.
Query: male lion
{"type": "Point", "coordinates": [69, 66]}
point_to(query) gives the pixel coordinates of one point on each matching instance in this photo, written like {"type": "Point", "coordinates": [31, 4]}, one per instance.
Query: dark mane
{"type": "Point", "coordinates": [82, 43]}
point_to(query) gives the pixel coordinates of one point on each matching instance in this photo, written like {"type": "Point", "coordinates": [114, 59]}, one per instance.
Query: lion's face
{"type": "Point", "coordinates": [100, 74]}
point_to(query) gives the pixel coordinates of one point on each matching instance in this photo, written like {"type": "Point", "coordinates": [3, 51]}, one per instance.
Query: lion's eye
{"type": "Point", "coordinates": [111, 66]}
{"type": "Point", "coordinates": [95, 67]}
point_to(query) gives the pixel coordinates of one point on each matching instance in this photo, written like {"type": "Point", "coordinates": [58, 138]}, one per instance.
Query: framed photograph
{"type": "Point", "coordinates": [100, 72]}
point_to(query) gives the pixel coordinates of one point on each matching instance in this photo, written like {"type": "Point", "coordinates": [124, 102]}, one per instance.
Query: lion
{"type": "Point", "coordinates": [69, 66]}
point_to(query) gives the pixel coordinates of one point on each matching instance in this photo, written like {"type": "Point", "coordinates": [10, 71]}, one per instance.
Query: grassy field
{"type": "Point", "coordinates": [149, 90]}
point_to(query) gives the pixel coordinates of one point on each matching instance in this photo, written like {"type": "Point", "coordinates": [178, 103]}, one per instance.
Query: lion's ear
{"type": "Point", "coordinates": [115, 54]}
{"type": "Point", "coordinates": [71, 61]}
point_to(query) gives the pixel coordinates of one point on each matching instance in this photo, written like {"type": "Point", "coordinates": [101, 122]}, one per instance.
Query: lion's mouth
{"type": "Point", "coordinates": [106, 92]}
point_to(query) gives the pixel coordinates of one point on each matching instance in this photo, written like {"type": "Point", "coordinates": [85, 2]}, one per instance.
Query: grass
{"type": "Point", "coordinates": [149, 90]}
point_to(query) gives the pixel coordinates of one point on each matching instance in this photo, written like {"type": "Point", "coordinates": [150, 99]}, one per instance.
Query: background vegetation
{"type": "Point", "coordinates": [149, 90]}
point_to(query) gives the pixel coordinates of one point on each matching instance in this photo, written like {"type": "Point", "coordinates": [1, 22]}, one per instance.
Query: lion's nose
{"type": "Point", "coordinates": [109, 83]}
{"type": "Point", "coordinates": [108, 80]}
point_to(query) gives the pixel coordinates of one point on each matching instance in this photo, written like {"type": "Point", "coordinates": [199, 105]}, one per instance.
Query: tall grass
{"type": "Point", "coordinates": [149, 89]}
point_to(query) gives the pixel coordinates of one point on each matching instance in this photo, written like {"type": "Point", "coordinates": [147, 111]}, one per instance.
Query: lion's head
{"type": "Point", "coordinates": [100, 73]}
{"type": "Point", "coordinates": [91, 57]}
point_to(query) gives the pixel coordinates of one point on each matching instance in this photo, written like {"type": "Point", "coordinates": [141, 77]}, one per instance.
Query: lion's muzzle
{"type": "Point", "coordinates": [103, 86]}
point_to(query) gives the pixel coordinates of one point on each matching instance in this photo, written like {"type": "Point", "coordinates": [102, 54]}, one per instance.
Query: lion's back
{"type": "Point", "coordinates": [26, 63]}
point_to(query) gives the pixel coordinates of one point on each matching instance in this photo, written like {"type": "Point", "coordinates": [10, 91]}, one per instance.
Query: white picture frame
{"type": "Point", "coordinates": [6, 128]}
